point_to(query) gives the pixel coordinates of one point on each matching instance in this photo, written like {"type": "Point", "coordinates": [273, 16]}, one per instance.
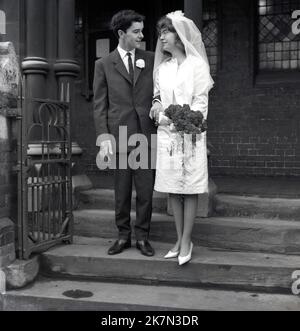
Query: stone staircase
{"type": "Point", "coordinates": [244, 258]}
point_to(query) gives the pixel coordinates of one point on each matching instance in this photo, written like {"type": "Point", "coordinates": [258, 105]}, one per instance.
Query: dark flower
{"type": "Point", "coordinates": [186, 121]}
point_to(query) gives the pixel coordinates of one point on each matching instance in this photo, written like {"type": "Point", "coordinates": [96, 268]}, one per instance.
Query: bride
{"type": "Point", "coordinates": [182, 76]}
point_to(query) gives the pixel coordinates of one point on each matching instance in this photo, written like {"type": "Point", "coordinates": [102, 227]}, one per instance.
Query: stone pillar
{"type": "Point", "coordinates": [9, 77]}
{"type": "Point", "coordinates": [51, 36]}
{"type": "Point", "coordinates": [15, 274]}
{"type": "Point", "coordinates": [67, 69]}
{"type": "Point", "coordinates": [193, 9]}
{"type": "Point", "coordinates": [35, 66]}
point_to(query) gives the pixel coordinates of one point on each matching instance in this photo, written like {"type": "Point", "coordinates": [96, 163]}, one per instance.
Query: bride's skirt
{"type": "Point", "coordinates": [181, 163]}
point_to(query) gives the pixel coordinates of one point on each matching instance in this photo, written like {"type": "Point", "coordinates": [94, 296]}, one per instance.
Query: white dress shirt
{"type": "Point", "coordinates": [124, 57]}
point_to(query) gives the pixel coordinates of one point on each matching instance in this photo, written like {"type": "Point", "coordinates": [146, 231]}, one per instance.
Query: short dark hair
{"type": "Point", "coordinates": [124, 19]}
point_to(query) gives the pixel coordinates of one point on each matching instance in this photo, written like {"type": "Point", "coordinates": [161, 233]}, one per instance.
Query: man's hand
{"type": "Point", "coordinates": [155, 110]}
{"type": "Point", "coordinates": [106, 149]}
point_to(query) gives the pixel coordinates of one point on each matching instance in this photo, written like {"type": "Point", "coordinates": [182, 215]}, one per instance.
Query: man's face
{"type": "Point", "coordinates": [133, 36]}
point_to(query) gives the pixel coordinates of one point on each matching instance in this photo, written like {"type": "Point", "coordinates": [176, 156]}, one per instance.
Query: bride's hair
{"type": "Point", "coordinates": [165, 23]}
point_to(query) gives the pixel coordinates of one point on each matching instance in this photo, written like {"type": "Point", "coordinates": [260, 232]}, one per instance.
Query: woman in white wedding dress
{"type": "Point", "coordinates": [182, 76]}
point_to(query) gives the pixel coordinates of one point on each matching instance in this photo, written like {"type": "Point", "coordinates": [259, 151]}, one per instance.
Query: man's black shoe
{"type": "Point", "coordinates": [119, 246]}
{"type": "Point", "coordinates": [145, 248]}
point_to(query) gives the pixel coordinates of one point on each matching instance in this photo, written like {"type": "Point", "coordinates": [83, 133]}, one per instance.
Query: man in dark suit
{"type": "Point", "coordinates": [123, 90]}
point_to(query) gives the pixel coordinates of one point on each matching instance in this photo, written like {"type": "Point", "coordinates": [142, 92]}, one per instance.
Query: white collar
{"type": "Point", "coordinates": [123, 53]}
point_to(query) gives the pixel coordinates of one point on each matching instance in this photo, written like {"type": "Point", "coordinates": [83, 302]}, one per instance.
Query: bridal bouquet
{"type": "Point", "coordinates": [186, 121]}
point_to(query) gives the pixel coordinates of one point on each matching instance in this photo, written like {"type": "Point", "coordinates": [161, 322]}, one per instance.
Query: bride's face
{"type": "Point", "coordinates": [168, 40]}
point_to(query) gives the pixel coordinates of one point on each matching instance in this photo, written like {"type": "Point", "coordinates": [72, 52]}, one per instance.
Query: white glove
{"type": "Point", "coordinates": [106, 149]}
{"type": "Point", "coordinates": [163, 120]}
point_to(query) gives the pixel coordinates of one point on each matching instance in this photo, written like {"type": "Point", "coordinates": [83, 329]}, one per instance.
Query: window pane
{"type": "Point", "coordinates": [278, 47]}
{"type": "Point", "coordinates": [210, 33]}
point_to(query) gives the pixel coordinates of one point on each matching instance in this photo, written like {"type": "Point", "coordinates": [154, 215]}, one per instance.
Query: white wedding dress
{"type": "Point", "coordinates": [181, 171]}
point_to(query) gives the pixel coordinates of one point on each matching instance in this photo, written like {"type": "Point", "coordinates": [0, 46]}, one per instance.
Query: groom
{"type": "Point", "coordinates": [123, 89]}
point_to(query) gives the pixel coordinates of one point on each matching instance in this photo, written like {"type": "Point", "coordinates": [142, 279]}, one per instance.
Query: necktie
{"type": "Point", "coordinates": [130, 66]}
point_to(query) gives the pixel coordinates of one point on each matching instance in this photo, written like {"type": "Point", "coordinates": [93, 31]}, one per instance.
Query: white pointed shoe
{"type": "Point", "coordinates": [171, 255]}
{"type": "Point", "coordinates": [185, 259]}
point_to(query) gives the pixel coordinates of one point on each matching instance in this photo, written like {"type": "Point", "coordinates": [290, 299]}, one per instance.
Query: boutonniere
{"type": "Point", "coordinates": [140, 64]}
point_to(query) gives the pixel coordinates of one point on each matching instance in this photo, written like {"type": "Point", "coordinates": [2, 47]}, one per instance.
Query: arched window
{"type": "Point", "coordinates": [278, 47]}
{"type": "Point", "coordinates": [2, 22]}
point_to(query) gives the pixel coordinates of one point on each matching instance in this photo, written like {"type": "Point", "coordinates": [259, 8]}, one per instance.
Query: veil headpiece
{"type": "Point", "coordinates": [191, 38]}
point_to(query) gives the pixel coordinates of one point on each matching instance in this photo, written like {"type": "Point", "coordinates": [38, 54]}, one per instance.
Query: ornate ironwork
{"type": "Point", "coordinates": [45, 182]}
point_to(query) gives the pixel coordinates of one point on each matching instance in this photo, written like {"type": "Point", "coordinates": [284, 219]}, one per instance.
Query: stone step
{"type": "Point", "coordinates": [87, 259]}
{"type": "Point", "coordinates": [240, 234]}
{"type": "Point", "coordinates": [105, 199]}
{"type": "Point", "coordinates": [50, 295]}
{"type": "Point", "coordinates": [257, 207]}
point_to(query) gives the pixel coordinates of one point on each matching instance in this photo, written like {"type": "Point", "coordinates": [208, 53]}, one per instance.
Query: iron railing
{"type": "Point", "coordinates": [45, 182]}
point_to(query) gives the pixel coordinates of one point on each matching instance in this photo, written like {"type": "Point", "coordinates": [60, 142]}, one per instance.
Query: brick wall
{"type": "Point", "coordinates": [253, 128]}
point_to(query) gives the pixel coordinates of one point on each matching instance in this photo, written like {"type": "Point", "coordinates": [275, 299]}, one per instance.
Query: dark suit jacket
{"type": "Point", "coordinates": [118, 101]}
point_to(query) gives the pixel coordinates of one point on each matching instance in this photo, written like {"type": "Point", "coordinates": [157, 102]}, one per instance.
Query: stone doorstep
{"type": "Point", "coordinates": [88, 259]}
{"type": "Point", "coordinates": [239, 234]}
{"type": "Point", "coordinates": [105, 199]}
{"type": "Point", "coordinates": [48, 295]}
{"type": "Point", "coordinates": [81, 182]}
{"type": "Point", "coordinates": [257, 207]}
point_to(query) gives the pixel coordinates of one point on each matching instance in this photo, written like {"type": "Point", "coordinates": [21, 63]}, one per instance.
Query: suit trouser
{"type": "Point", "coordinates": [144, 184]}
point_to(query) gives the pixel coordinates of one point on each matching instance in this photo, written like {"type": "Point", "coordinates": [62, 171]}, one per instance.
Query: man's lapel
{"type": "Point", "coordinates": [119, 65]}
{"type": "Point", "coordinates": [137, 71]}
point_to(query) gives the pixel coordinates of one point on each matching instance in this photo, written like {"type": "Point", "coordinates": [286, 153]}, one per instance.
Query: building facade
{"type": "Point", "coordinates": [254, 56]}
{"type": "Point", "coordinates": [254, 52]}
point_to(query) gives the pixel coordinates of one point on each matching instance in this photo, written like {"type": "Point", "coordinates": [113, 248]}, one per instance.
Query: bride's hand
{"type": "Point", "coordinates": [155, 110]}
{"type": "Point", "coordinates": [172, 128]}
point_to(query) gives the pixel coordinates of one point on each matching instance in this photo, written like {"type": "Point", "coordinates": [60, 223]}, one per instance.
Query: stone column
{"type": "Point", "coordinates": [67, 69]}
{"type": "Point", "coordinates": [13, 273]}
{"type": "Point", "coordinates": [51, 46]}
{"type": "Point", "coordinates": [193, 9]}
{"type": "Point", "coordinates": [9, 76]}
{"type": "Point", "coordinates": [35, 66]}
